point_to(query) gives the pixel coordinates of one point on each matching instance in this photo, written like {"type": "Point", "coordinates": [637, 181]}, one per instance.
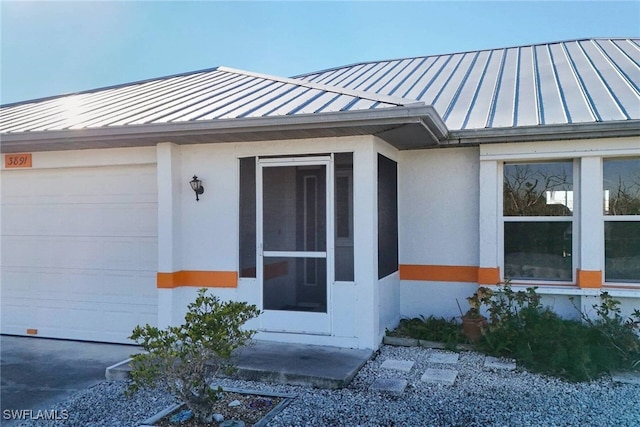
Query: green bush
{"type": "Point", "coordinates": [187, 357]}
{"type": "Point", "coordinates": [621, 337]}
{"type": "Point", "coordinates": [540, 340]}
{"type": "Point", "coordinates": [431, 328]}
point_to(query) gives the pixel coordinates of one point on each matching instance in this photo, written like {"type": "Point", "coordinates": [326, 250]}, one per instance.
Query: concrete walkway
{"type": "Point", "coordinates": [294, 364]}
{"type": "Point", "coordinates": [38, 372]}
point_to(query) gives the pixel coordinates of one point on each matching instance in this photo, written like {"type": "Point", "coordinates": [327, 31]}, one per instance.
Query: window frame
{"type": "Point", "coordinates": [574, 218]}
{"type": "Point", "coordinates": [613, 218]}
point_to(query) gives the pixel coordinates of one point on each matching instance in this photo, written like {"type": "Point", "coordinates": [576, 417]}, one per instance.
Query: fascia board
{"type": "Point", "coordinates": [545, 133]}
{"type": "Point", "coordinates": [417, 113]}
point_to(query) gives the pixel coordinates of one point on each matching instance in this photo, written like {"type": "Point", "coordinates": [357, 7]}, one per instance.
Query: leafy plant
{"type": "Point", "coordinates": [481, 296]}
{"type": "Point", "coordinates": [620, 336]}
{"type": "Point", "coordinates": [188, 357]}
{"type": "Point", "coordinates": [430, 329]}
{"type": "Point", "coordinates": [521, 328]}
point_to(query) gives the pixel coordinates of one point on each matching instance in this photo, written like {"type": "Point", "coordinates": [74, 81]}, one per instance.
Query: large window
{"type": "Point", "coordinates": [538, 221]}
{"type": "Point", "coordinates": [621, 205]}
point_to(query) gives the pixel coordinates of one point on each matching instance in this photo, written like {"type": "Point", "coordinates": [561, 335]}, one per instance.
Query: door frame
{"type": "Point", "coordinates": [295, 321]}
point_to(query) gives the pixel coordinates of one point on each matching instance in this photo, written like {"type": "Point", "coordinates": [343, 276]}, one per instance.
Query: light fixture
{"type": "Point", "coordinates": [196, 186]}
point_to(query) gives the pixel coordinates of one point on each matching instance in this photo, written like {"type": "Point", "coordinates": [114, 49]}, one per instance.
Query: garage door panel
{"type": "Point", "coordinates": [79, 251]}
{"type": "Point", "coordinates": [89, 253]}
{"type": "Point", "coordinates": [132, 220]}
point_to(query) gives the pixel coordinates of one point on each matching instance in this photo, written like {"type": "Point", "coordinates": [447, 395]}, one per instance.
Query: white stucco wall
{"type": "Point", "coordinates": [438, 217]}
{"type": "Point", "coordinates": [208, 232]}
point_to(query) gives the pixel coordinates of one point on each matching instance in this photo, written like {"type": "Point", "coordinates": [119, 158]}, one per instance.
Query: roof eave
{"type": "Point", "coordinates": [424, 125]}
{"type": "Point", "coordinates": [613, 129]}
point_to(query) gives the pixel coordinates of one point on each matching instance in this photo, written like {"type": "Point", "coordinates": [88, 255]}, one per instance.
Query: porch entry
{"type": "Point", "coordinates": [295, 242]}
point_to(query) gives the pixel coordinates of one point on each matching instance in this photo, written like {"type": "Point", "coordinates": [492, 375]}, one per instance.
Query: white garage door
{"type": "Point", "coordinates": [79, 251]}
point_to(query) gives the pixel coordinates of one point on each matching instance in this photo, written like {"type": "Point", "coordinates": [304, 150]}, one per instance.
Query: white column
{"type": "Point", "coordinates": [169, 190]}
{"type": "Point", "coordinates": [489, 213]}
{"type": "Point", "coordinates": [365, 233]}
{"type": "Point", "coordinates": [590, 222]}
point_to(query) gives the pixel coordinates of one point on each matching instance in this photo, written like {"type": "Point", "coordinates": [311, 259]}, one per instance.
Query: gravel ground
{"type": "Point", "coordinates": [479, 397]}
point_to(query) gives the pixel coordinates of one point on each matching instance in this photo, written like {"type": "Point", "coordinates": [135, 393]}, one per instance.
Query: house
{"type": "Point", "coordinates": [337, 201]}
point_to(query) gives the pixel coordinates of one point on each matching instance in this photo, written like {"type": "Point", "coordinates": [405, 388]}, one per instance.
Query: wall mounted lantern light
{"type": "Point", "coordinates": [196, 186]}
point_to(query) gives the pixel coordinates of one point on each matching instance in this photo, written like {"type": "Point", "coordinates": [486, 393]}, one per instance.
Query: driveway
{"type": "Point", "coordinates": [36, 373]}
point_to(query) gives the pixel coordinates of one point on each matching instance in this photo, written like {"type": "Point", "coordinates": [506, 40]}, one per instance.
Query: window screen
{"type": "Point", "coordinates": [387, 216]}
{"type": "Point", "coordinates": [247, 221]}
{"type": "Point", "coordinates": [344, 216]}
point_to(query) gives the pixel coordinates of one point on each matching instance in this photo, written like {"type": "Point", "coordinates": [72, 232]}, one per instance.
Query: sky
{"type": "Point", "coordinates": [54, 47]}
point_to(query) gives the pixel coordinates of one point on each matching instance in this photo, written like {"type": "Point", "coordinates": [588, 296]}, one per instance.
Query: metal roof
{"type": "Point", "coordinates": [582, 88]}
{"type": "Point", "coordinates": [581, 81]}
{"type": "Point", "coordinates": [220, 93]}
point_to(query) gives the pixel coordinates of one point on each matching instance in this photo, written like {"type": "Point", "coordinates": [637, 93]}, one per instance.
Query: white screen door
{"type": "Point", "coordinates": [295, 247]}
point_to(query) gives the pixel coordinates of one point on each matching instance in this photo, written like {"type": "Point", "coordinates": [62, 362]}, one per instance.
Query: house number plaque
{"type": "Point", "coordinates": [17, 160]}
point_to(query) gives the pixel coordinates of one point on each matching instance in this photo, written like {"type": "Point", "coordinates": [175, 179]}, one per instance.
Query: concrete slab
{"type": "Point", "coordinates": [295, 364]}
{"type": "Point", "coordinates": [445, 358]}
{"type": "Point", "coordinates": [39, 372]}
{"type": "Point", "coordinates": [300, 364]}
{"type": "Point", "coordinates": [491, 362]}
{"type": "Point", "coordinates": [440, 376]}
{"type": "Point", "coordinates": [391, 386]}
{"type": "Point", "coordinates": [398, 365]}
{"type": "Point", "coordinates": [626, 377]}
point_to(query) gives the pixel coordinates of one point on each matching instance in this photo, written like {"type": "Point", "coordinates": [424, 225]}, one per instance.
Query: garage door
{"type": "Point", "coordinates": [79, 251]}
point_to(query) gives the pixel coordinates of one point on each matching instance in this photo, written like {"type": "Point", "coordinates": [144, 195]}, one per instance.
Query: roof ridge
{"type": "Point", "coordinates": [300, 76]}
{"type": "Point", "coordinates": [327, 88]}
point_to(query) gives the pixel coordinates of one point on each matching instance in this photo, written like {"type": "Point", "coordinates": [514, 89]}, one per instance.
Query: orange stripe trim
{"type": "Point", "coordinates": [488, 275]}
{"type": "Point", "coordinates": [439, 273]}
{"type": "Point", "coordinates": [589, 278]}
{"type": "Point", "coordinates": [451, 273]}
{"type": "Point", "coordinates": [200, 279]}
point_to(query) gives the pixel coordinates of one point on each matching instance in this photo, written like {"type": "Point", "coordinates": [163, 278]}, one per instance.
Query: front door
{"type": "Point", "coordinates": [295, 247]}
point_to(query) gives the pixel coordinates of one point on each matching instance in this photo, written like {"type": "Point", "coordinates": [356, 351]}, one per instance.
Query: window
{"type": "Point", "coordinates": [247, 218]}
{"type": "Point", "coordinates": [344, 265]}
{"type": "Point", "coordinates": [538, 221]}
{"type": "Point", "coordinates": [387, 216]}
{"type": "Point", "coordinates": [621, 206]}
{"type": "Point", "coordinates": [344, 259]}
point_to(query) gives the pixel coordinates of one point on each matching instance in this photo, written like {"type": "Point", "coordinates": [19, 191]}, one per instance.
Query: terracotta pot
{"type": "Point", "coordinates": [472, 327]}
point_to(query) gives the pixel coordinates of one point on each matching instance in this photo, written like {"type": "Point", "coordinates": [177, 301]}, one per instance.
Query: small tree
{"type": "Point", "coordinates": [189, 356]}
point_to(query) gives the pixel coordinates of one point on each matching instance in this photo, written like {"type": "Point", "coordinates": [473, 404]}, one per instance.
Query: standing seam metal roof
{"type": "Point", "coordinates": [220, 93]}
{"type": "Point", "coordinates": [580, 81]}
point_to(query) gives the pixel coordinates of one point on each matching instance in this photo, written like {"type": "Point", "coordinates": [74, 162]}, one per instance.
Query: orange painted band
{"type": "Point", "coordinates": [200, 279]}
{"type": "Point", "coordinates": [589, 278]}
{"type": "Point", "coordinates": [451, 273]}
{"type": "Point", "coordinates": [439, 273]}
{"type": "Point", "coordinates": [488, 275]}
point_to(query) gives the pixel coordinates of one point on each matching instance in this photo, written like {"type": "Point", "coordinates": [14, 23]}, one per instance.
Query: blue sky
{"type": "Point", "coordinates": [52, 48]}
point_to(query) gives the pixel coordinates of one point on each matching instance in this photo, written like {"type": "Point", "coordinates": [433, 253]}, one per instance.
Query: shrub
{"type": "Point", "coordinates": [430, 328]}
{"type": "Point", "coordinates": [188, 357]}
{"type": "Point", "coordinates": [620, 337]}
{"type": "Point", "coordinates": [520, 327]}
